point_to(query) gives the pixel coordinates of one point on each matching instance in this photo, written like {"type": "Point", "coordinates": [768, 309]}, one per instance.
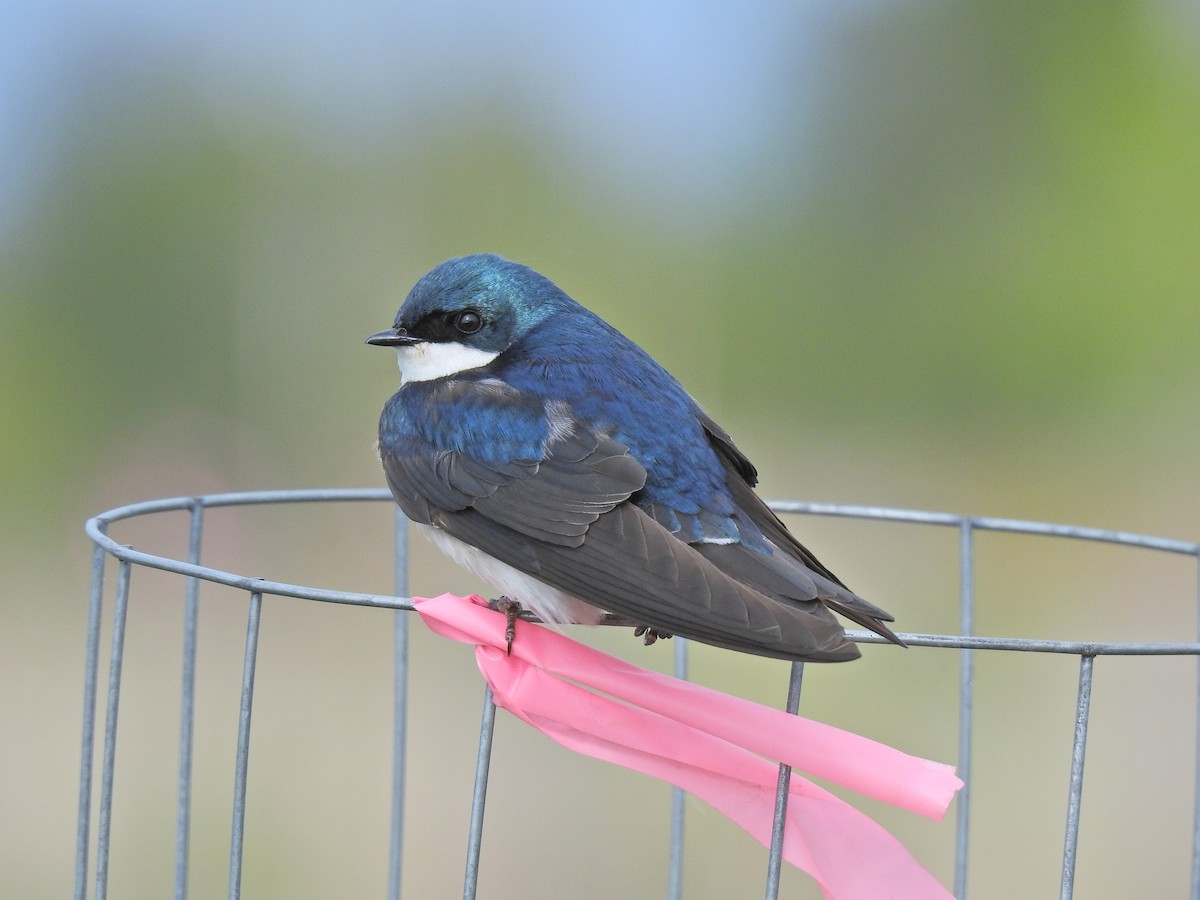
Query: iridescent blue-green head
{"type": "Point", "coordinates": [466, 312]}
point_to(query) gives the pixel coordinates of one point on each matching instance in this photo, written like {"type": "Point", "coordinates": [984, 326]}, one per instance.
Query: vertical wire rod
{"type": "Point", "coordinates": [1195, 887]}
{"type": "Point", "coordinates": [1075, 794]}
{"type": "Point", "coordinates": [88, 742]}
{"type": "Point", "coordinates": [966, 704]}
{"type": "Point", "coordinates": [187, 706]}
{"type": "Point", "coordinates": [400, 708]}
{"type": "Point", "coordinates": [116, 659]}
{"type": "Point", "coordinates": [479, 797]}
{"type": "Point", "coordinates": [678, 797]}
{"type": "Point", "coordinates": [242, 759]}
{"type": "Point", "coordinates": [779, 822]}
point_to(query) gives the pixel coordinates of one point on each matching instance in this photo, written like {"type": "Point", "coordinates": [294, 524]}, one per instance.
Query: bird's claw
{"type": "Point", "coordinates": [650, 635]}
{"type": "Point", "coordinates": [510, 608]}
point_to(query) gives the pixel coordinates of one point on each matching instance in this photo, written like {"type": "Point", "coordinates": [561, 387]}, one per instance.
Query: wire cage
{"type": "Point", "coordinates": [97, 793]}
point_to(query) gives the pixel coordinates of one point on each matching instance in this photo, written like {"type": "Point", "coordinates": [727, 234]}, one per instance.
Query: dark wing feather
{"type": "Point", "coordinates": [830, 589]}
{"type": "Point", "coordinates": [631, 566]}
{"type": "Point", "coordinates": [584, 476]}
{"type": "Point", "coordinates": [587, 475]}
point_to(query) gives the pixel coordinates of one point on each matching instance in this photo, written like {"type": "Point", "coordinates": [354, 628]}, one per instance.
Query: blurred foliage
{"type": "Point", "coordinates": [998, 227]}
{"type": "Point", "coordinates": [971, 279]}
{"type": "Point", "coordinates": [1005, 221]}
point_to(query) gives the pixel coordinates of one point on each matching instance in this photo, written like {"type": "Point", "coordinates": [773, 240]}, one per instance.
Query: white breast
{"type": "Point", "coordinates": [547, 603]}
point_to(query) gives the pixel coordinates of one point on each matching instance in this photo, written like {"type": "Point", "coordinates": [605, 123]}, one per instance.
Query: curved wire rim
{"type": "Point", "coordinates": [97, 529]}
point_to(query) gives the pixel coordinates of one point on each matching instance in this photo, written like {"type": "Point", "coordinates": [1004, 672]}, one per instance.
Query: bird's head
{"type": "Point", "coordinates": [465, 313]}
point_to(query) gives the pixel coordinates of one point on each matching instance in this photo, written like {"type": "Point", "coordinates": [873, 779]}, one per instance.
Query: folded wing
{"type": "Point", "coordinates": [571, 520]}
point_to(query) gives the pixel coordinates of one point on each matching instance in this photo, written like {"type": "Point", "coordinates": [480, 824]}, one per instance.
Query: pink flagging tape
{"type": "Point", "coordinates": [714, 746]}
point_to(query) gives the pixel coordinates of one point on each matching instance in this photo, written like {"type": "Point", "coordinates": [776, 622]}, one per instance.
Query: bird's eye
{"type": "Point", "coordinates": [468, 321]}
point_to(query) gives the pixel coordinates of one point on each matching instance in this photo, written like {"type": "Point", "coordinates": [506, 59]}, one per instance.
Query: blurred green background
{"type": "Point", "coordinates": [911, 254]}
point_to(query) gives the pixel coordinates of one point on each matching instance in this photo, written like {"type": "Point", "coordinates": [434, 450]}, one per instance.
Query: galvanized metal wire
{"type": "Point", "coordinates": [96, 876]}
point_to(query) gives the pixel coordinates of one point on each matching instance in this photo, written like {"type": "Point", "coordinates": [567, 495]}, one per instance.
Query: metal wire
{"type": "Point", "coordinates": [187, 706]}
{"type": "Point", "coordinates": [966, 703]}
{"type": "Point", "coordinates": [779, 820]}
{"type": "Point", "coordinates": [242, 764]}
{"type": "Point", "coordinates": [400, 709]}
{"type": "Point", "coordinates": [91, 667]}
{"type": "Point", "coordinates": [483, 761]}
{"type": "Point", "coordinates": [256, 588]}
{"type": "Point", "coordinates": [1075, 794]}
{"type": "Point", "coordinates": [116, 659]}
{"type": "Point", "coordinates": [678, 797]}
{"type": "Point", "coordinates": [1195, 892]}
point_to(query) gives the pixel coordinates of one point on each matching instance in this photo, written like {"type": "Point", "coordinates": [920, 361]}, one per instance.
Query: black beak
{"type": "Point", "coordinates": [392, 338]}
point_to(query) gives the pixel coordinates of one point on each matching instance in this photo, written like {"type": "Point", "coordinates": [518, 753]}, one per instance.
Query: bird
{"type": "Point", "coordinates": [550, 455]}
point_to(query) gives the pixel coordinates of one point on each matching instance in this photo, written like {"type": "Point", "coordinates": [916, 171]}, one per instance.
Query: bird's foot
{"type": "Point", "coordinates": [510, 608]}
{"type": "Point", "coordinates": [650, 635]}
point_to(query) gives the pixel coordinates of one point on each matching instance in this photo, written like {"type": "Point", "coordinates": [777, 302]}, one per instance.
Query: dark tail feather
{"type": "Point", "coordinates": [871, 623]}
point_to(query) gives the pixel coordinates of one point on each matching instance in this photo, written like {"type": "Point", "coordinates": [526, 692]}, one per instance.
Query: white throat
{"type": "Point", "coordinates": [426, 361]}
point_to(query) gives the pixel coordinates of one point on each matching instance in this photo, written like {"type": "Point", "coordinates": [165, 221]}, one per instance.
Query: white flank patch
{"type": "Point", "coordinates": [547, 603]}
{"type": "Point", "coordinates": [562, 424]}
{"type": "Point", "coordinates": [427, 360]}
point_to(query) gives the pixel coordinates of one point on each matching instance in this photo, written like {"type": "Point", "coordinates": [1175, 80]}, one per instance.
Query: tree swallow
{"type": "Point", "coordinates": [550, 455]}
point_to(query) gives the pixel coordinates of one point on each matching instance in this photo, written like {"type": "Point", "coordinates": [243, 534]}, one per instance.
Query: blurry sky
{"type": "Point", "coordinates": [912, 253]}
{"type": "Point", "coordinates": [669, 97]}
